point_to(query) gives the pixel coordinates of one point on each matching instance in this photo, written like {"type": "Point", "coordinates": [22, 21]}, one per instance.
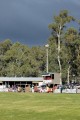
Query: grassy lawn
{"type": "Point", "coordinates": [38, 106]}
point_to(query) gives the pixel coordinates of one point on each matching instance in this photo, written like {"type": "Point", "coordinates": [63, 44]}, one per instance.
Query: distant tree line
{"type": "Point", "coordinates": [17, 59]}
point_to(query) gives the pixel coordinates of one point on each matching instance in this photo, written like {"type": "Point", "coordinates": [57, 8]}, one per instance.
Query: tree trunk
{"type": "Point", "coordinates": [68, 75]}
{"type": "Point", "coordinates": [59, 58]}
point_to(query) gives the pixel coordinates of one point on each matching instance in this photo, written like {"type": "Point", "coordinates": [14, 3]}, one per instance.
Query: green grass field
{"type": "Point", "coordinates": [39, 106]}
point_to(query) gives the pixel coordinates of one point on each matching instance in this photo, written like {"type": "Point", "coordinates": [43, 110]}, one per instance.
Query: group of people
{"type": "Point", "coordinates": [43, 89]}
{"type": "Point", "coordinates": [33, 88]}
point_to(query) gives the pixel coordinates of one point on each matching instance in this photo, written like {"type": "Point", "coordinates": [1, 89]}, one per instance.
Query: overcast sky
{"type": "Point", "coordinates": [27, 21]}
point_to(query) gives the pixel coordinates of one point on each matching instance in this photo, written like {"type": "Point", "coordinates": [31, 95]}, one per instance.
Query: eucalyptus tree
{"type": "Point", "coordinates": [4, 46]}
{"type": "Point", "coordinates": [71, 44]}
{"type": "Point", "coordinates": [57, 28]}
{"type": "Point", "coordinates": [21, 60]}
{"type": "Point", "coordinates": [16, 57]}
{"type": "Point", "coordinates": [53, 62]}
{"type": "Point", "coordinates": [78, 50]}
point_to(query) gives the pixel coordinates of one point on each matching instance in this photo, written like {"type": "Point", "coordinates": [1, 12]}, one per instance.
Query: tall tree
{"type": "Point", "coordinates": [57, 27]}
{"type": "Point", "coordinates": [4, 46]}
{"type": "Point", "coordinates": [72, 41]}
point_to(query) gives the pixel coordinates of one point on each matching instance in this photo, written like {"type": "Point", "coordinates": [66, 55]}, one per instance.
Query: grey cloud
{"type": "Point", "coordinates": [27, 20]}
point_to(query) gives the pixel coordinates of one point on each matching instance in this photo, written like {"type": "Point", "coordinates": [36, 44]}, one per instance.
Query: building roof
{"type": "Point", "coordinates": [36, 79]}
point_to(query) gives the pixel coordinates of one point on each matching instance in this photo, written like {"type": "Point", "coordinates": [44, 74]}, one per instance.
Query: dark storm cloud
{"type": "Point", "coordinates": [27, 21]}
